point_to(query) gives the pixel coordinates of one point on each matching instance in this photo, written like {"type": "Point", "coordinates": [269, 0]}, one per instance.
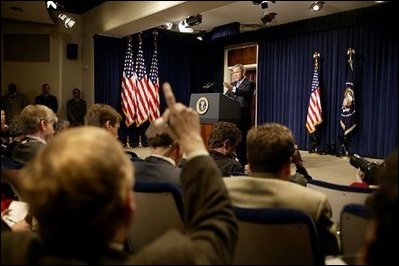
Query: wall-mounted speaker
{"type": "Point", "coordinates": [72, 50]}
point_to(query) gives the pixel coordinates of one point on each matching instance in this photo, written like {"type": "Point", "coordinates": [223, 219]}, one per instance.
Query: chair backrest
{"type": "Point", "coordinates": [272, 236]}
{"type": "Point", "coordinates": [339, 195]}
{"type": "Point", "coordinates": [355, 219]}
{"type": "Point", "coordinates": [159, 208]}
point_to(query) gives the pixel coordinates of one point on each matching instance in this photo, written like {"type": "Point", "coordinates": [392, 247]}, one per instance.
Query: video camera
{"type": "Point", "coordinates": [368, 168]}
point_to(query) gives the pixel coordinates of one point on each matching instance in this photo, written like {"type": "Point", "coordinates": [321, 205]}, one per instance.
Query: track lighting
{"type": "Point", "coordinates": [169, 25]}
{"type": "Point", "coordinates": [194, 20]}
{"type": "Point", "coordinates": [263, 4]}
{"type": "Point", "coordinates": [317, 6]}
{"type": "Point", "coordinates": [201, 35]}
{"type": "Point", "coordinates": [267, 19]}
{"type": "Point", "coordinates": [68, 21]}
{"type": "Point", "coordinates": [184, 27]}
{"type": "Point", "coordinates": [57, 10]}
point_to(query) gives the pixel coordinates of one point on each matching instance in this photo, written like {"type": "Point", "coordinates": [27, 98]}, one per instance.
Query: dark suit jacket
{"type": "Point", "coordinates": [228, 166]}
{"type": "Point", "coordinates": [244, 92]}
{"type": "Point", "coordinates": [50, 101]}
{"type": "Point", "coordinates": [76, 111]}
{"type": "Point", "coordinates": [26, 150]}
{"type": "Point", "coordinates": [210, 232]}
{"type": "Point", "coordinates": [157, 169]}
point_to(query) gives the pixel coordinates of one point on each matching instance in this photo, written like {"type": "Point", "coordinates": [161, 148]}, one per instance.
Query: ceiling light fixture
{"type": "Point", "coordinates": [267, 19]}
{"type": "Point", "coordinates": [317, 6]}
{"type": "Point", "coordinates": [201, 35]}
{"type": "Point", "coordinates": [184, 27]}
{"type": "Point", "coordinates": [57, 10]}
{"type": "Point", "coordinates": [169, 25]}
{"type": "Point", "coordinates": [68, 21]}
{"type": "Point", "coordinates": [54, 5]}
{"type": "Point", "coordinates": [263, 4]}
{"type": "Point", "coordinates": [194, 20]}
{"type": "Point", "coordinates": [51, 4]}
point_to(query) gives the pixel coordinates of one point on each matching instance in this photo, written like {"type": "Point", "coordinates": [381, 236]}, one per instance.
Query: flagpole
{"type": "Point", "coordinates": [314, 117]}
{"type": "Point", "coordinates": [348, 122]}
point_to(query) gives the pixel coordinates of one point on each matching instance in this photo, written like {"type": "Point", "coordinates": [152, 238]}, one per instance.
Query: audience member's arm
{"type": "Point", "coordinates": [210, 224]}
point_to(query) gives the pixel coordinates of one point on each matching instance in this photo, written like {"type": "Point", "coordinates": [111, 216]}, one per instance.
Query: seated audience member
{"type": "Point", "coordinates": [162, 164]}
{"type": "Point", "coordinates": [61, 125]}
{"type": "Point", "coordinates": [16, 137]}
{"type": "Point", "coordinates": [5, 129]}
{"type": "Point", "coordinates": [222, 145]}
{"type": "Point", "coordinates": [383, 204]}
{"type": "Point", "coordinates": [105, 116]}
{"type": "Point", "coordinates": [36, 123]}
{"type": "Point", "coordinates": [270, 148]}
{"type": "Point", "coordinates": [85, 211]}
{"type": "Point", "coordinates": [301, 175]}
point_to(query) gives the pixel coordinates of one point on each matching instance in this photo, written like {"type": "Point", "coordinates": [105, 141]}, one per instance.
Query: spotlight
{"type": "Point", "coordinates": [68, 21]}
{"type": "Point", "coordinates": [184, 27]}
{"type": "Point", "coordinates": [51, 4]}
{"type": "Point", "coordinates": [54, 5]}
{"type": "Point", "coordinates": [317, 6]}
{"type": "Point", "coordinates": [194, 20]}
{"type": "Point", "coordinates": [201, 35]}
{"type": "Point", "coordinates": [263, 4]}
{"type": "Point", "coordinates": [169, 25]}
{"type": "Point", "coordinates": [267, 19]}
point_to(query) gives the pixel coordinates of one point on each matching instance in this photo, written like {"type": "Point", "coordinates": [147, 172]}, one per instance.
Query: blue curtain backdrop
{"type": "Point", "coordinates": [285, 69]}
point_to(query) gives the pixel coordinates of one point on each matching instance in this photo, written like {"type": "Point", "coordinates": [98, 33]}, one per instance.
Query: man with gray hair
{"type": "Point", "coordinates": [37, 122]}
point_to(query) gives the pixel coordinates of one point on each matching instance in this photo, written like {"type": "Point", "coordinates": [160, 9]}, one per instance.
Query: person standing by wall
{"type": "Point", "coordinates": [12, 103]}
{"type": "Point", "coordinates": [76, 109]}
{"type": "Point", "coordinates": [47, 99]}
{"type": "Point", "coordinates": [242, 90]}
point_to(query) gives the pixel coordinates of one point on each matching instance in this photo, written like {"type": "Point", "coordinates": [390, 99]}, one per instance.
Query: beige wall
{"type": "Point", "coordinates": [113, 18]}
{"type": "Point", "coordinates": [61, 73]}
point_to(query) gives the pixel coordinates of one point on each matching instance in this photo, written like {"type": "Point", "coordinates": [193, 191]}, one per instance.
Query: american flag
{"type": "Point", "coordinates": [129, 102]}
{"type": "Point", "coordinates": [153, 87]}
{"type": "Point", "coordinates": [348, 111]}
{"type": "Point", "coordinates": [314, 109]}
{"type": "Point", "coordinates": [142, 89]}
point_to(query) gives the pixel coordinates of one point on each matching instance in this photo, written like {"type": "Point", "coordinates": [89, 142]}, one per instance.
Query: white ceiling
{"type": "Point", "coordinates": [214, 13]}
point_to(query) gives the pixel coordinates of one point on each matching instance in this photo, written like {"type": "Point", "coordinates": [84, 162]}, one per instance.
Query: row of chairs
{"type": "Point", "coordinates": [261, 231]}
{"type": "Point", "coordinates": [340, 195]}
{"type": "Point", "coordinates": [266, 236]}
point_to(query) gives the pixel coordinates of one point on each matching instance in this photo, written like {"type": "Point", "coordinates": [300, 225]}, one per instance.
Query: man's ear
{"type": "Point", "coordinates": [107, 125]}
{"type": "Point", "coordinates": [42, 125]}
{"type": "Point", "coordinates": [226, 144]}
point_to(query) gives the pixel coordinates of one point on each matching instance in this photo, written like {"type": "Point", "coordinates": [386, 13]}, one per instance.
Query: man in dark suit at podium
{"type": "Point", "coordinates": [242, 90]}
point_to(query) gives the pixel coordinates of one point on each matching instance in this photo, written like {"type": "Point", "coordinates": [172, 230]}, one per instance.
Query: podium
{"type": "Point", "coordinates": [212, 108]}
{"type": "Point", "coordinates": [215, 107]}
